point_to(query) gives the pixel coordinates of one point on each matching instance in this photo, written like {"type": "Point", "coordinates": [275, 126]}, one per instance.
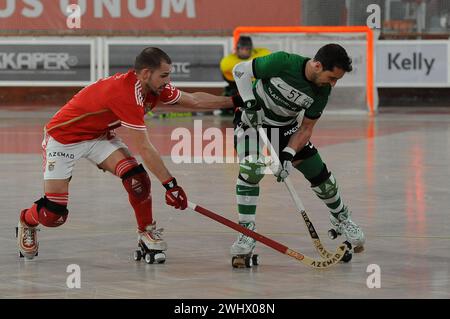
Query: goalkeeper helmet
{"type": "Point", "coordinates": [245, 42]}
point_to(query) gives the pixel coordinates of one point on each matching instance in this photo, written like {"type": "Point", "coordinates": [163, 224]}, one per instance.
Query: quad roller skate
{"type": "Point", "coordinates": [27, 240]}
{"type": "Point", "coordinates": [242, 249]}
{"type": "Point", "coordinates": [343, 225]}
{"type": "Point", "coordinates": [151, 246]}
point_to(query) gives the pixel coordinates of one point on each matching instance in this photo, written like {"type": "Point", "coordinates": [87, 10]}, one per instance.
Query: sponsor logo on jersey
{"type": "Point", "coordinates": [279, 100]}
{"type": "Point", "coordinates": [61, 154]}
{"type": "Point", "coordinates": [292, 130]}
{"type": "Point", "coordinates": [280, 86]}
{"type": "Point", "coordinates": [291, 94]}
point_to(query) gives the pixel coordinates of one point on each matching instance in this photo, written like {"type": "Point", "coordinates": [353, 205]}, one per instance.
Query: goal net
{"type": "Point", "coordinates": [355, 92]}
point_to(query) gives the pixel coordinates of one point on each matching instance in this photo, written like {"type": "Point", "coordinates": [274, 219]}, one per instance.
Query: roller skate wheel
{"type": "Point", "coordinates": [29, 257]}
{"type": "Point", "coordinates": [160, 258]}
{"type": "Point", "coordinates": [349, 246]}
{"type": "Point", "coordinates": [17, 231]}
{"type": "Point", "coordinates": [238, 262]}
{"type": "Point", "coordinates": [255, 260]}
{"type": "Point", "coordinates": [248, 262]}
{"type": "Point", "coordinates": [332, 233]}
{"type": "Point", "coordinates": [234, 262]}
{"type": "Point", "coordinates": [347, 257]}
{"type": "Point", "coordinates": [37, 253]}
{"type": "Point", "coordinates": [137, 255]}
{"type": "Point", "coordinates": [21, 255]}
{"type": "Point", "coordinates": [349, 253]}
{"type": "Point", "coordinates": [358, 249]}
{"type": "Point", "coordinates": [149, 258]}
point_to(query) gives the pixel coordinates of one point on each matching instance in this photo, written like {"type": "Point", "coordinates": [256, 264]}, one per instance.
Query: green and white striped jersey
{"type": "Point", "coordinates": [282, 90]}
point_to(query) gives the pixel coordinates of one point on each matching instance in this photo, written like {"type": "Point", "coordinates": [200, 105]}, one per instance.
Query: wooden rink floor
{"type": "Point", "coordinates": [393, 172]}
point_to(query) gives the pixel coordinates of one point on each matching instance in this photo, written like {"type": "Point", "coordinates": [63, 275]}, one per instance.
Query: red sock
{"type": "Point", "coordinates": [61, 199]}
{"type": "Point", "coordinates": [125, 165]}
{"type": "Point", "coordinates": [142, 210]}
{"type": "Point", "coordinates": [138, 186]}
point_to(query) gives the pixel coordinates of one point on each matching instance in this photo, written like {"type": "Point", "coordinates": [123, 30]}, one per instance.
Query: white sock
{"type": "Point", "coordinates": [247, 218]}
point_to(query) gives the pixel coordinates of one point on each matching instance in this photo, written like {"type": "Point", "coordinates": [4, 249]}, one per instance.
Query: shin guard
{"type": "Point", "coordinates": [137, 183]}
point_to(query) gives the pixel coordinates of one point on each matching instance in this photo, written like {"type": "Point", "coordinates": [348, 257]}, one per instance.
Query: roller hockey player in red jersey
{"type": "Point", "coordinates": [289, 94]}
{"type": "Point", "coordinates": [83, 128]}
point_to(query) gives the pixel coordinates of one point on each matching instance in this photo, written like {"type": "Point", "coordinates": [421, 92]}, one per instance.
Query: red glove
{"type": "Point", "coordinates": [175, 195]}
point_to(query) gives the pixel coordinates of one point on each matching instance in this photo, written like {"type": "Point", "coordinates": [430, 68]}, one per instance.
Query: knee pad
{"type": "Point", "coordinates": [307, 152]}
{"type": "Point", "coordinates": [137, 183]}
{"type": "Point", "coordinates": [322, 177]}
{"type": "Point", "coordinates": [326, 188]}
{"type": "Point", "coordinates": [314, 169]}
{"type": "Point", "coordinates": [49, 213]}
{"type": "Point", "coordinates": [251, 172]}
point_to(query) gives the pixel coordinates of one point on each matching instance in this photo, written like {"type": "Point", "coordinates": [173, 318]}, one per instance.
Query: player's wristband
{"type": "Point", "coordinates": [170, 183]}
{"type": "Point", "coordinates": [289, 153]}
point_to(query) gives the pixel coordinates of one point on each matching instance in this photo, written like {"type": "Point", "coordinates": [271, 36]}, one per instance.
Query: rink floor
{"type": "Point", "coordinates": [393, 172]}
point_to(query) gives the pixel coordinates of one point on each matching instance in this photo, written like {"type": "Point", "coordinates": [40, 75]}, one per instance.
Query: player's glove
{"type": "Point", "coordinates": [285, 167]}
{"type": "Point", "coordinates": [252, 114]}
{"type": "Point", "coordinates": [175, 195]}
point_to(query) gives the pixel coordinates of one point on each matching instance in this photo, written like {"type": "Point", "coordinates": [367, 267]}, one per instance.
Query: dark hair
{"type": "Point", "coordinates": [245, 42]}
{"type": "Point", "coordinates": [333, 55]}
{"type": "Point", "coordinates": [151, 58]}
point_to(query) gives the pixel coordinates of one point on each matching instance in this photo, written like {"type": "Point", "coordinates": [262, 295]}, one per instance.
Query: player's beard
{"type": "Point", "coordinates": [315, 80]}
{"type": "Point", "coordinates": [153, 90]}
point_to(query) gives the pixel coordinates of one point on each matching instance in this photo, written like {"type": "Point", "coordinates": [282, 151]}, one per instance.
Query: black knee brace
{"type": "Point", "coordinates": [322, 177]}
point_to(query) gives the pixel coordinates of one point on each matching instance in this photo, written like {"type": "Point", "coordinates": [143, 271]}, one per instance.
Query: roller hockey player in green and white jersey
{"type": "Point", "coordinates": [286, 85]}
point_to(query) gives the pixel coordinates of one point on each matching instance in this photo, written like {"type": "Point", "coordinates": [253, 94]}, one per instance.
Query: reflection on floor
{"type": "Point", "coordinates": [392, 170]}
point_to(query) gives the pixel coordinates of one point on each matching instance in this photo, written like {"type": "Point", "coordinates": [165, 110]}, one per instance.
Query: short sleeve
{"type": "Point", "coordinates": [129, 108]}
{"type": "Point", "coordinates": [170, 94]}
{"type": "Point", "coordinates": [271, 65]}
{"type": "Point", "coordinates": [316, 109]}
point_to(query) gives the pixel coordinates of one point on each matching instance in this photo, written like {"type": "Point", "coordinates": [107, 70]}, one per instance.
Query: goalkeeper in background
{"type": "Point", "coordinates": [244, 52]}
{"type": "Point", "coordinates": [287, 85]}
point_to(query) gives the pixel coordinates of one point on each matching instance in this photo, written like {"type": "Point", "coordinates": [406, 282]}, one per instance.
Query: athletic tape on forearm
{"type": "Point", "coordinates": [243, 74]}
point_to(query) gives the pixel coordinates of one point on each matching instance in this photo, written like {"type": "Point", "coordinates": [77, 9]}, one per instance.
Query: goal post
{"type": "Point", "coordinates": [358, 87]}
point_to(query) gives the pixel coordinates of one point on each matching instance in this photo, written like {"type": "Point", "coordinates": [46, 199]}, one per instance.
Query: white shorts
{"type": "Point", "coordinates": [60, 159]}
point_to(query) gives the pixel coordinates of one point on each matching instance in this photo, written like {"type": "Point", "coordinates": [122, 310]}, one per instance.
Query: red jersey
{"type": "Point", "coordinates": [105, 105]}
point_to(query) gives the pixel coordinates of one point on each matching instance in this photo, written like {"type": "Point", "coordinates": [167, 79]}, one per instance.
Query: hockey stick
{"type": "Point", "coordinates": [323, 252]}
{"type": "Point", "coordinates": [318, 264]}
